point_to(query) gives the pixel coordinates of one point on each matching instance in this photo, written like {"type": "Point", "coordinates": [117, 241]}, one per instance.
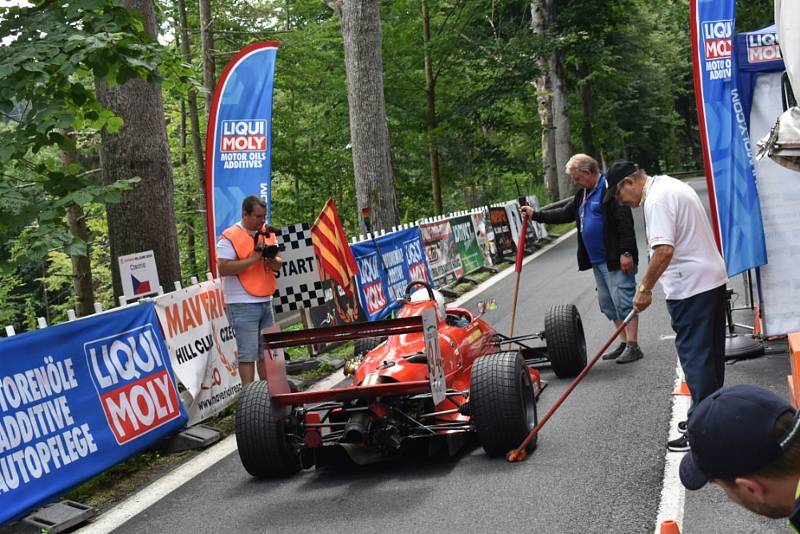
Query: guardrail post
{"type": "Point", "coordinates": [10, 331]}
{"type": "Point", "coordinates": [42, 322]}
{"type": "Point", "coordinates": [98, 307]}
{"type": "Point", "coordinates": [178, 285]}
{"type": "Point", "coordinates": [193, 280]}
{"type": "Point", "coordinates": [71, 316]}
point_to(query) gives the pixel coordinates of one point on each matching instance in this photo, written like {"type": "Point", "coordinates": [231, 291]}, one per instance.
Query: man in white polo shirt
{"type": "Point", "coordinates": [247, 258]}
{"type": "Point", "coordinates": [685, 260]}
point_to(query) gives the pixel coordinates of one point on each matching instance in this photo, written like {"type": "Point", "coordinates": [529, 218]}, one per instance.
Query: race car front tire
{"type": "Point", "coordinates": [502, 402]}
{"type": "Point", "coordinates": [566, 344]}
{"type": "Point", "coordinates": [261, 438]}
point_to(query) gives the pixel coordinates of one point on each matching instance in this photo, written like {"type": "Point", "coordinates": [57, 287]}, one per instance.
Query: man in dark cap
{"type": "Point", "coordinates": [745, 439]}
{"type": "Point", "coordinates": [685, 260]}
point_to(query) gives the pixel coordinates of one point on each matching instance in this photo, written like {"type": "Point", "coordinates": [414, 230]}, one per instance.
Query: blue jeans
{"type": "Point", "coordinates": [247, 320]}
{"type": "Point", "coordinates": [615, 291]}
{"type": "Point", "coordinates": [699, 325]}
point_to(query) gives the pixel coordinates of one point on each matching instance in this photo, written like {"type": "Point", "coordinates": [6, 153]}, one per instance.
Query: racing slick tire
{"type": "Point", "coordinates": [261, 438]}
{"type": "Point", "coordinates": [502, 402]}
{"type": "Point", "coordinates": [566, 344]}
{"type": "Point", "coordinates": [366, 344]}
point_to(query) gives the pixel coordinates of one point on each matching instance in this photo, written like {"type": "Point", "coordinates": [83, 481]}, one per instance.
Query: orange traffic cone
{"type": "Point", "coordinates": [682, 389]}
{"type": "Point", "coordinates": [670, 527]}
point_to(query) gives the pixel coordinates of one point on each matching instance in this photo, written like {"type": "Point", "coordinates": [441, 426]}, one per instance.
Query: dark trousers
{"type": "Point", "coordinates": [699, 325]}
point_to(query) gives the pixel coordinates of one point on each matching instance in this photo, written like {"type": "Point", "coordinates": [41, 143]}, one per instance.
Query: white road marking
{"type": "Point", "coordinates": [672, 491]}
{"type": "Point", "coordinates": [150, 495]}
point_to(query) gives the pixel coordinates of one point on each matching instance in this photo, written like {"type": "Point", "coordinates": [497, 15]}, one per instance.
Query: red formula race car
{"type": "Point", "coordinates": [436, 374]}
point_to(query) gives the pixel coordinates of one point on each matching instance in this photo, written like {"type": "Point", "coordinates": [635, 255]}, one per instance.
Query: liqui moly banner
{"type": "Point", "coordinates": [239, 139]}
{"type": "Point", "coordinates": [385, 267]}
{"type": "Point", "coordinates": [733, 198]}
{"type": "Point", "coordinates": [78, 398]}
{"type": "Point", "coordinates": [202, 348]}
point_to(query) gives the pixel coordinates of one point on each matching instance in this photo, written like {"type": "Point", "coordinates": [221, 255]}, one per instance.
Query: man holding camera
{"type": "Point", "coordinates": [247, 259]}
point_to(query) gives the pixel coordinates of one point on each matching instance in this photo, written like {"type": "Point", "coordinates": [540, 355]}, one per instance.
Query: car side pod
{"type": "Point", "coordinates": [519, 454]}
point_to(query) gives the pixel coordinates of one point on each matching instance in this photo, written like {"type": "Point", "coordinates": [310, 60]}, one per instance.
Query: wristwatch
{"type": "Point", "coordinates": [643, 289]}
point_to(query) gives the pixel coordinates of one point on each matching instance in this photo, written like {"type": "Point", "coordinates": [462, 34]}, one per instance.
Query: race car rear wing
{"type": "Point", "coordinates": [276, 365]}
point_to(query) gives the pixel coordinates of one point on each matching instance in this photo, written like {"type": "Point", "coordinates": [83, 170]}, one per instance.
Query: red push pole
{"type": "Point", "coordinates": [519, 454]}
{"type": "Point", "coordinates": [518, 269]}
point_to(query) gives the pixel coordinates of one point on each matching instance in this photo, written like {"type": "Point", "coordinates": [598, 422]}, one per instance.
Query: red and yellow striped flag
{"type": "Point", "coordinates": [330, 244]}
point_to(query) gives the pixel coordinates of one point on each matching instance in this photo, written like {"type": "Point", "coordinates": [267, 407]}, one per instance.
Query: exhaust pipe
{"type": "Point", "coordinates": [357, 428]}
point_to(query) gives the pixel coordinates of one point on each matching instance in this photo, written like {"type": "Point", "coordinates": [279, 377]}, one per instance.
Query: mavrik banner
{"type": "Point", "coordinates": [239, 149]}
{"type": "Point", "coordinates": [78, 398]}
{"type": "Point", "coordinates": [202, 348]}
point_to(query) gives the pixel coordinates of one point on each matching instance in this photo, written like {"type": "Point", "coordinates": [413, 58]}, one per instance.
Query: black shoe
{"type": "Point", "coordinates": [631, 354]}
{"type": "Point", "coordinates": [680, 444]}
{"type": "Point", "coordinates": [614, 354]}
{"type": "Point", "coordinates": [683, 426]}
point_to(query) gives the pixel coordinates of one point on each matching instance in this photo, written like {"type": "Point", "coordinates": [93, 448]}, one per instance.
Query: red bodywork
{"type": "Point", "coordinates": [398, 368]}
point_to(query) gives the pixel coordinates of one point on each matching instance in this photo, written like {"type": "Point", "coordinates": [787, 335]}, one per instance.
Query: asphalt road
{"type": "Point", "coordinates": [598, 467]}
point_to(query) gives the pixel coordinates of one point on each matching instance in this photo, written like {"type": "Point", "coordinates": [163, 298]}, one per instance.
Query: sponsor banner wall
{"type": "Point", "coordinates": [239, 151]}
{"type": "Point", "coordinates": [202, 348]}
{"type": "Point", "coordinates": [385, 267]}
{"type": "Point", "coordinates": [440, 249]}
{"type": "Point", "coordinates": [78, 398]}
{"type": "Point", "coordinates": [484, 234]}
{"type": "Point", "coordinates": [503, 240]}
{"type": "Point", "coordinates": [733, 199]}
{"type": "Point", "coordinates": [467, 246]}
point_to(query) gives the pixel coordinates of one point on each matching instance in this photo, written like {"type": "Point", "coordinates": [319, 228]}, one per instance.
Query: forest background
{"type": "Point", "coordinates": [103, 117]}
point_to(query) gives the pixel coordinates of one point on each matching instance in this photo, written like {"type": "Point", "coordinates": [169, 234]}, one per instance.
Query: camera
{"type": "Point", "coordinates": [270, 251]}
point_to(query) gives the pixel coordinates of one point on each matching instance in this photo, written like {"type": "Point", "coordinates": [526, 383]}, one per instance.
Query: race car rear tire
{"type": "Point", "coordinates": [502, 402]}
{"type": "Point", "coordinates": [566, 344]}
{"type": "Point", "coordinates": [261, 438]}
{"type": "Point", "coordinates": [366, 344]}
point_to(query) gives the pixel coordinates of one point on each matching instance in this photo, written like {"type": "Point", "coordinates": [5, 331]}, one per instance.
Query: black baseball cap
{"type": "Point", "coordinates": [616, 173]}
{"type": "Point", "coordinates": [732, 433]}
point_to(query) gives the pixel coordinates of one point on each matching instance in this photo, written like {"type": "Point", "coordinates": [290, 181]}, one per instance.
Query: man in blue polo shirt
{"type": "Point", "coordinates": [606, 244]}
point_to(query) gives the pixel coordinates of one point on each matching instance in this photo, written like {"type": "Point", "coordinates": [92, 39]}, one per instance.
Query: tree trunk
{"type": "Point", "coordinates": [430, 94]}
{"type": "Point", "coordinates": [207, 41]}
{"type": "Point", "coordinates": [196, 232]}
{"type": "Point", "coordinates": [145, 218]}
{"type": "Point", "coordinates": [369, 134]}
{"type": "Point", "coordinates": [561, 122]}
{"type": "Point", "coordinates": [82, 281]}
{"type": "Point", "coordinates": [587, 135]}
{"type": "Point", "coordinates": [544, 101]}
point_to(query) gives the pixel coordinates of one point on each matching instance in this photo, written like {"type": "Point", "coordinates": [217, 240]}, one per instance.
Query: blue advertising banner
{"type": "Point", "coordinates": [239, 139]}
{"type": "Point", "coordinates": [733, 198]}
{"type": "Point", "coordinates": [78, 398]}
{"type": "Point", "coordinates": [755, 53]}
{"type": "Point", "coordinates": [385, 267]}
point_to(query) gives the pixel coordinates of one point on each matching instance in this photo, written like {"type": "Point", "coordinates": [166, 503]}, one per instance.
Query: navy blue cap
{"type": "Point", "coordinates": [732, 433]}
{"type": "Point", "coordinates": [616, 173]}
